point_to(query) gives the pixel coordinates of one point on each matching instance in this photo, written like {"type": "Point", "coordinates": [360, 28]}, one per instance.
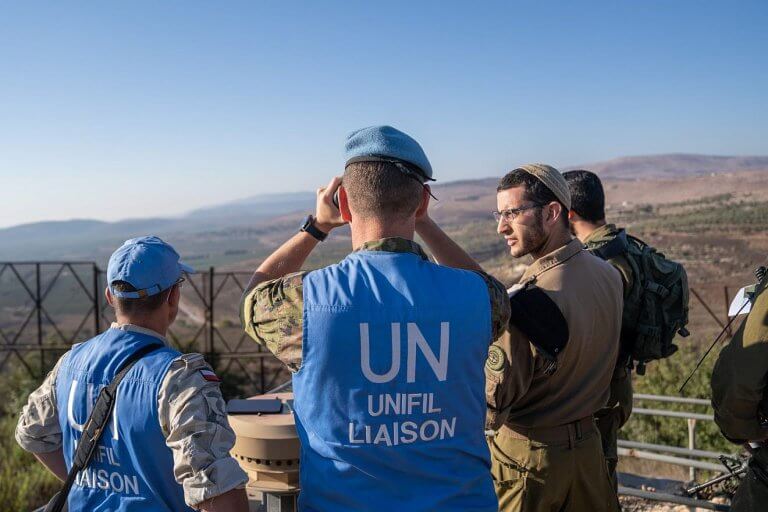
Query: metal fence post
{"type": "Point", "coordinates": [96, 301]}
{"type": "Point", "coordinates": [211, 328]}
{"type": "Point", "coordinates": [692, 446]}
{"type": "Point", "coordinates": [39, 307]}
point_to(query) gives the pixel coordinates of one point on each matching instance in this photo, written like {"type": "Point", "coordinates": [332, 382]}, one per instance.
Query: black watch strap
{"type": "Point", "coordinates": [309, 227]}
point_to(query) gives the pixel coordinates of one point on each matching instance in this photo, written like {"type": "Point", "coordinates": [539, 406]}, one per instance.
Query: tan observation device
{"type": "Point", "coordinates": [267, 448]}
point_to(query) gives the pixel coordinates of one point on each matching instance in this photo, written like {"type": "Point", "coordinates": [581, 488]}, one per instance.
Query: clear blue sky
{"type": "Point", "coordinates": [111, 110]}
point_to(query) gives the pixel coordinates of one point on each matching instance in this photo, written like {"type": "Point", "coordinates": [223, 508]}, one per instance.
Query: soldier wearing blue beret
{"type": "Point", "coordinates": [387, 348]}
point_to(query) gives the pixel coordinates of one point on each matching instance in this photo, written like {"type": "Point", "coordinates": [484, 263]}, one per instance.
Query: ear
{"type": "Point", "coordinates": [174, 297]}
{"type": "Point", "coordinates": [109, 297]}
{"type": "Point", "coordinates": [554, 209]}
{"type": "Point", "coordinates": [422, 209]}
{"type": "Point", "coordinates": [346, 214]}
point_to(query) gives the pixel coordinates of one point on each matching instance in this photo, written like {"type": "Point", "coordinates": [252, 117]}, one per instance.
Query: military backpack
{"type": "Point", "coordinates": [655, 307]}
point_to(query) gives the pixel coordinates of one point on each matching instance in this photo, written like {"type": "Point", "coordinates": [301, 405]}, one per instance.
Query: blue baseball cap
{"type": "Point", "coordinates": [146, 263]}
{"type": "Point", "coordinates": [384, 143]}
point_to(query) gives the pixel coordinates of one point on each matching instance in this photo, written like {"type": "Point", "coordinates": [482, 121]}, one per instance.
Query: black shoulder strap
{"type": "Point", "coordinates": [537, 316]}
{"type": "Point", "coordinates": [95, 427]}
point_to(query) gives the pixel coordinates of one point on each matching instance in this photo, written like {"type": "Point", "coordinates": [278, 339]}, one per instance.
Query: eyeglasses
{"type": "Point", "coordinates": [180, 282]}
{"type": "Point", "coordinates": [511, 214]}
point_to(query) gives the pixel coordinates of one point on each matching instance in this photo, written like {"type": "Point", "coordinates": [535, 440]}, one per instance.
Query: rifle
{"type": "Point", "coordinates": [736, 467]}
{"type": "Point", "coordinates": [760, 274]}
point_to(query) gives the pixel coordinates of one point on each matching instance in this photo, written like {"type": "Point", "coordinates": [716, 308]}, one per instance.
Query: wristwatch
{"type": "Point", "coordinates": [308, 226]}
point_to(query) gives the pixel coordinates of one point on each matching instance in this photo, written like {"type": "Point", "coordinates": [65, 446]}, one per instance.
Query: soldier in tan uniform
{"type": "Point", "coordinates": [587, 218]}
{"type": "Point", "coordinates": [566, 314]}
{"type": "Point", "coordinates": [740, 399]}
{"type": "Point", "coordinates": [190, 410]}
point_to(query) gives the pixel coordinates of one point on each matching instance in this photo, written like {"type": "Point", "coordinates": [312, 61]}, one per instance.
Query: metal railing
{"type": "Point", "coordinates": [681, 456]}
{"type": "Point", "coordinates": [672, 498]}
{"type": "Point", "coordinates": [647, 450]}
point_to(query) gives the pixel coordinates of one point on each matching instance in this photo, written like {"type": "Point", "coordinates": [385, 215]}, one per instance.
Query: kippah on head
{"type": "Point", "coordinates": [377, 143]}
{"type": "Point", "coordinates": [552, 179]}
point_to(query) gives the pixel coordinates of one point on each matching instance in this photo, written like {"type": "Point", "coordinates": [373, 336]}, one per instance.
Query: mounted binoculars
{"type": "Point", "coordinates": [267, 448]}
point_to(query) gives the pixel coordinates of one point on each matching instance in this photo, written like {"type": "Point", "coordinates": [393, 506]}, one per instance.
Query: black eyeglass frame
{"type": "Point", "coordinates": [510, 214]}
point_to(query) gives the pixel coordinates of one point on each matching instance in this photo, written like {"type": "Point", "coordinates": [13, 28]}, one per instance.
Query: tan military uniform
{"type": "Point", "coordinates": [192, 417]}
{"type": "Point", "coordinates": [616, 412]}
{"type": "Point", "coordinates": [740, 399]}
{"type": "Point", "coordinates": [546, 453]}
{"type": "Point", "coordinates": [272, 312]}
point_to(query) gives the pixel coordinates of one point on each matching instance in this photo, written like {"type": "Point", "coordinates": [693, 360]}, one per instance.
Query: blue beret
{"type": "Point", "coordinates": [377, 143]}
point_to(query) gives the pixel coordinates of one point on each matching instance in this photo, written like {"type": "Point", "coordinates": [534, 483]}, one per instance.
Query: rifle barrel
{"type": "Point", "coordinates": [709, 483]}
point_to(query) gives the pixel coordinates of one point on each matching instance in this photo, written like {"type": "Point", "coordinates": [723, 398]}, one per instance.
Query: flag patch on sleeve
{"type": "Point", "coordinates": [209, 376]}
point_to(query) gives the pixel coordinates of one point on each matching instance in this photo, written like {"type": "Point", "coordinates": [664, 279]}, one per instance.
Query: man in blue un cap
{"type": "Point", "coordinates": [168, 420]}
{"type": "Point", "coordinates": [387, 348]}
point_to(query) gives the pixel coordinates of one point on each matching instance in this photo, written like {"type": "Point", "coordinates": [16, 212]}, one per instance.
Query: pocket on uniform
{"type": "Point", "coordinates": [215, 404]}
{"type": "Point", "coordinates": [510, 465]}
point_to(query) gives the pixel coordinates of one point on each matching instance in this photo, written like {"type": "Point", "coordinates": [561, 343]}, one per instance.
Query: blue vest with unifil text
{"type": "Point", "coordinates": [390, 398]}
{"type": "Point", "coordinates": [132, 468]}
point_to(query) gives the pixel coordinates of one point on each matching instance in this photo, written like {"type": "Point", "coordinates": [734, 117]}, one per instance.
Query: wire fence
{"type": "Point", "coordinates": [46, 307]}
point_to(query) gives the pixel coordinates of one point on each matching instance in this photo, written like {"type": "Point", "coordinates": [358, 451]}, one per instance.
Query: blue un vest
{"type": "Point", "coordinates": [132, 469]}
{"type": "Point", "coordinates": [390, 397]}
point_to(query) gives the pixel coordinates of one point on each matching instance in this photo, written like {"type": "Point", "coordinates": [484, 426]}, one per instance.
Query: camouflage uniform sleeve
{"type": "Point", "coordinates": [194, 421]}
{"type": "Point", "coordinates": [508, 375]}
{"type": "Point", "coordinates": [273, 315]}
{"type": "Point", "coordinates": [38, 429]}
{"type": "Point", "coordinates": [499, 305]}
{"type": "Point", "coordinates": [740, 375]}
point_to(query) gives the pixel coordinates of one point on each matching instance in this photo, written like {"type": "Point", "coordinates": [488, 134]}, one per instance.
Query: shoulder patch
{"type": "Point", "coordinates": [496, 359]}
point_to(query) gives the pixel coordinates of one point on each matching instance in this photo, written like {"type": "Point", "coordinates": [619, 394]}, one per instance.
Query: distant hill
{"type": "Point", "coordinates": [243, 229]}
{"type": "Point", "coordinates": [263, 205]}
{"type": "Point", "coordinates": [673, 165]}
{"type": "Point", "coordinates": [72, 238]}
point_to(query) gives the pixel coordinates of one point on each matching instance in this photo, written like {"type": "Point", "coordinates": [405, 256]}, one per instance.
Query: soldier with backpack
{"type": "Point", "coordinates": [655, 300]}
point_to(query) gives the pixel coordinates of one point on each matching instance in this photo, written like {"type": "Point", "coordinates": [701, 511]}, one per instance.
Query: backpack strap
{"type": "Point", "coordinates": [94, 428]}
{"type": "Point", "coordinates": [617, 246]}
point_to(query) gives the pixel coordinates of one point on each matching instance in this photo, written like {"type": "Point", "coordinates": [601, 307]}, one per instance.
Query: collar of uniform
{"type": "Point", "coordinates": [394, 244]}
{"type": "Point", "coordinates": [604, 231]}
{"type": "Point", "coordinates": [552, 259]}
{"type": "Point", "coordinates": [139, 329]}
